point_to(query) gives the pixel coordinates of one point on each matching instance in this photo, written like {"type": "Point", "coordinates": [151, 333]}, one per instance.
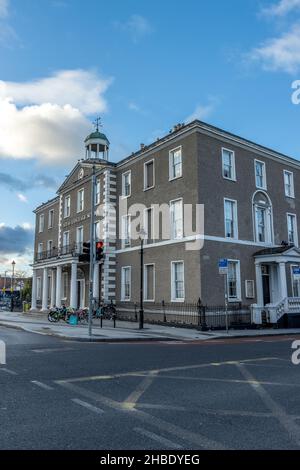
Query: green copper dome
{"type": "Point", "coordinates": [97, 135]}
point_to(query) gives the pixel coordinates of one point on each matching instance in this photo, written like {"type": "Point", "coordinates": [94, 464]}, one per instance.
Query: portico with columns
{"type": "Point", "coordinates": [275, 288]}
{"type": "Point", "coordinates": [65, 283]}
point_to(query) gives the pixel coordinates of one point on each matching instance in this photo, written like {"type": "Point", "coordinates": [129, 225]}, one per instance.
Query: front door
{"type": "Point", "coordinates": [266, 283]}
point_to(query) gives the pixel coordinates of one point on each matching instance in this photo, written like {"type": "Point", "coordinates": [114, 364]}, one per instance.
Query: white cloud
{"type": "Point", "coordinates": [137, 26]}
{"type": "Point", "coordinates": [280, 54]}
{"type": "Point", "coordinates": [281, 8]}
{"type": "Point", "coordinates": [4, 5]}
{"type": "Point", "coordinates": [46, 119]}
{"type": "Point", "coordinates": [22, 198]}
{"type": "Point", "coordinates": [79, 88]}
{"type": "Point", "coordinates": [202, 112]}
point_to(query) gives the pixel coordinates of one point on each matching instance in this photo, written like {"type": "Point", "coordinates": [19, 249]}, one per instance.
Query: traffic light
{"type": "Point", "coordinates": [99, 251]}
{"type": "Point", "coordinates": [86, 250]}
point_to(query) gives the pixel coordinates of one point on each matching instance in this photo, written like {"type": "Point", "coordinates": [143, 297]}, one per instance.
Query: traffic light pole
{"type": "Point", "coordinates": [92, 251]}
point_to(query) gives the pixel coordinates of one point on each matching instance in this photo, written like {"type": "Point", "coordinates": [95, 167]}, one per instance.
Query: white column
{"type": "Point", "coordinates": [282, 280]}
{"type": "Point", "coordinates": [97, 155]}
{"type": "Point", "coordinates": [73, 293]}
{"type": "Point", "coordinates": [96, 281]}
{"type": "Point", "coordinates": [33, 291]}
{"type": "Point", "coordinates": [58, 286]}
{"type": "Point", "coordinates": [45, 290]}
{"type": "Point", "coordinates": [259, 286]}
{"type": "Point", "coordinates": [52, 294]}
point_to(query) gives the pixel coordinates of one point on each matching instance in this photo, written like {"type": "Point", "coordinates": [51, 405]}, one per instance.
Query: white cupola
{"type": "Point", "coordinates": [96, 144]}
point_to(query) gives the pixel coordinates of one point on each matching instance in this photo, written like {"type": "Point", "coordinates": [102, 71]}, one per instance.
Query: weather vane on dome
{"type": "Point", "coordinates": [97, 123]}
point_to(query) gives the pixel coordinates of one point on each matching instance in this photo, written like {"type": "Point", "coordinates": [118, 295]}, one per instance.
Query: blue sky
{"type": "Point", "coordinates": [143, 66]}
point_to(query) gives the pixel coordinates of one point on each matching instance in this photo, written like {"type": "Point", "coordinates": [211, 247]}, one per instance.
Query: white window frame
{"type": "Point", "coordinates": [233, 176]}
{"type": "Point", "coordinates": [97, 191]}
{"type": "Point", "coordinates": [235, 219]}
{"type": "Point", "coordinates": [146, 228]}
{"type": "Point", "coordinates": [78, 229]}
{"type": "Point", "coordinates": [264, 175]}
{"type": "Point", "coordinates": [124, 196]}
{"type": "Point", "coordinates": [64, 233]}
{"type": "Point", "coordinates": [40, 249]}
{"type": "Point", "coordinates": [247, 289]}
{"type": "Point", "coordinates": [269, 223]}
{"type": "Point", "coordinates": [124, 235]}
{"type": "Point", "coordinates": [173, 288]}
{"type": "Point", "coordinates": [145, 282]}
{"type": "Point", "coordinates": [145, 175]}
{"type": "Point", "coordinates": [290, 173]}
{"type": "Point", "coordinates": [79, 200]}
{"type": "Point", "coordinates": [38, 288]}
{"type": "Point", "coordinates": [294, 216]}
{"type": "Point", "coordinates": [41, 223]}
{"type": "Point", "coordinates": [49, 248]}
{"type": "Point", "coordinates": [172, 226]}
{"type": "Point", "coordinates": [50, 218]}
{"type": "Point", "coordinates": [123, 298]}
{"type": "Point", "coordinates": [67, 206]}
{"type": "Point", "coordinates": [238, 298]}
{"type": "Point", "coordinates": [171, 163]}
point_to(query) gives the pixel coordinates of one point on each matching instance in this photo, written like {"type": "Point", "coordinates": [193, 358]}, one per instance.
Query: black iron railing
{"type": "Point", "coordinates": [74, 249]}
{"type": "Point", "coordinates": [189, 315]}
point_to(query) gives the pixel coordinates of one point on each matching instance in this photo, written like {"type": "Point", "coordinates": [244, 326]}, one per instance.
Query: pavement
{"type": "Point", "coordinates": [124, 331]}
{"type": "Point", "coordinates": [165, 395]}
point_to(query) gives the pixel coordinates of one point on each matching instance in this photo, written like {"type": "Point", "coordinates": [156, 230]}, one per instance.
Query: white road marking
{"type": "Point", "coordinates": [278, 412]}
{"type": "Point", "coordinates": [134, 397]}
{"type": "Point", "coordinates": [41, 385]}
{"type": "Point", "coordinates": [88, 406]}
{"type": "Point", "coordinates": [157, 438]}
{"type": "Point", "coordinates": [195, 438]}
{"type": "Point", "coordinates": [8, 371]}
{"type": "Point", "coordinates": [49, 350]}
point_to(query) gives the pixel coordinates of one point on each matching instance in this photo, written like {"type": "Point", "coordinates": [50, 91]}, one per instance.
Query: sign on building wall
{"type": "Point", "coordinates": [223, 266]}
{"type": "Point", "coordinates": [296, 273]}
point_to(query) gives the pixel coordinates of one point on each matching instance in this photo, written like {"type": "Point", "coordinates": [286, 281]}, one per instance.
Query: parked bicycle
{"type": "Point", "coordinates": [57, 314]}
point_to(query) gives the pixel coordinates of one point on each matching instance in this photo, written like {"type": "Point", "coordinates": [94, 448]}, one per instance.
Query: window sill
{"type": "Point", "coordinates": [150, 187]}
{"type": "Point", "coordinates": [177, 300]}
{"type": "Point", "coordinates": [175, 178]}
{"type": "Point", "coordinates": [234, 180]}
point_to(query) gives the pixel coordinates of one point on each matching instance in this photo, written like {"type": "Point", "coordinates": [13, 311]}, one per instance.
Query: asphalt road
{"type": "Point", "coordinates": [226, 394]}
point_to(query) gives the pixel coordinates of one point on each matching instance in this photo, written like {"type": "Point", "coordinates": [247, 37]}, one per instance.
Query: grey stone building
{"type": "Point", "coordinates": [251, 199]}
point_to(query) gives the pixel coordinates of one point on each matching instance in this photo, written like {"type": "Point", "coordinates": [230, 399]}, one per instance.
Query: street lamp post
{"type": "Point", "coordinates": [141, 312]}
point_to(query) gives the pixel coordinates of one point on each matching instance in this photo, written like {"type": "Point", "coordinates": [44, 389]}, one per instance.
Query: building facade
{"type": "Point", "coordinates": [248, 198]}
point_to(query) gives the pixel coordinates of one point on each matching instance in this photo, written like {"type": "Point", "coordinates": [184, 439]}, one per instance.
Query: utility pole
{"type": "Point", "coordinates": [92, 251]}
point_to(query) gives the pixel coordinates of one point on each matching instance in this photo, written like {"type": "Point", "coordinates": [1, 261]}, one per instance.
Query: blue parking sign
{"type": "Point", "coordinates": [223, 266]}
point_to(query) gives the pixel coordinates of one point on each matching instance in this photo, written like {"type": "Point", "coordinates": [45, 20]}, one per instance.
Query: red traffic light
{"type": "Point", "coordinates": [99, 245]}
